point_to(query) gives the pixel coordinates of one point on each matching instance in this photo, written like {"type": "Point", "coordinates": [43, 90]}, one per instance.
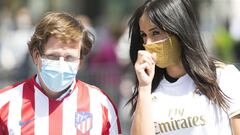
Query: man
{"type": "Point", "coordinates": [53, 102]}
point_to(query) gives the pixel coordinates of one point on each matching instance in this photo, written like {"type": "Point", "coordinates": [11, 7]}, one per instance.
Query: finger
{"type": "Point", "coordinates": [145, 55]}
{"type": "Point", "coordinates": [148, 69]}
{"type": "Point", "coordinates": [144, 58]}
{"type": "Point", "coordinates": [145, 68]}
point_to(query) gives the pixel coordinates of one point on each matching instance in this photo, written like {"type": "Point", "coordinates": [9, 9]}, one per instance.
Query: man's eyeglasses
{"type": "Point", "coordinates": [68, 58]}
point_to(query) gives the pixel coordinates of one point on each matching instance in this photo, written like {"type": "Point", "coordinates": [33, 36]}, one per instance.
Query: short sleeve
{"type": "Point", "coordinates": [229, 82]}
{"type": "Point", "coordinates": [115, 128]}
{"type": "Point", "coordinates": [111, 120]}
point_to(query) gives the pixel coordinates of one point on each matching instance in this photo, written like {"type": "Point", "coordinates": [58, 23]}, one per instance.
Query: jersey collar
{"type": "Point", "coordinates": [71, 88]}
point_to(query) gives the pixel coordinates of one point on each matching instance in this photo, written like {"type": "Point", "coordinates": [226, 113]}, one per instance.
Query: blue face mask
{"type": "Point", "coordinates": [57, 75]}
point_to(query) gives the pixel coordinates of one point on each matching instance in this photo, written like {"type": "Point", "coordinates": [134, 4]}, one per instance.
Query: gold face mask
{"type": "Point", "coordinates": [168, 51]}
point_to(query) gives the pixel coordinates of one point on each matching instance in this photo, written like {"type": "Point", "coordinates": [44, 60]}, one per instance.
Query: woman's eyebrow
{"type": "Point", "coordinates": [154, 28]}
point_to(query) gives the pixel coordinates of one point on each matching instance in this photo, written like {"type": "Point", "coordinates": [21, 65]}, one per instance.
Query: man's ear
{"type": "Point", "coordinates": [35, 55]}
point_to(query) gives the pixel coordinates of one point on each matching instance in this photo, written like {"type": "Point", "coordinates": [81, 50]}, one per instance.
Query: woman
{"type": "Point", "coordinates": [180, 89]}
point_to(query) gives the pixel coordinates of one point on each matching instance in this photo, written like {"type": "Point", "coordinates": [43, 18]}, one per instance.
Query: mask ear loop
{"type": "Point", "coordinates": [170, 47]}
{"type": "Point", "coordinates": [170, 40]}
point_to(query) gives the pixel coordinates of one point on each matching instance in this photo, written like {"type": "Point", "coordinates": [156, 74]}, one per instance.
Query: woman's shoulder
{"type": "Point", "coordinates": [228, 75]}
{"type": "Point", "coordinates": [223, 67]}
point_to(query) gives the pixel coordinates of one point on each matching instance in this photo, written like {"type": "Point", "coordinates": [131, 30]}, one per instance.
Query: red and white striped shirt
{"type": "Point", "coordinates": [26, 110]}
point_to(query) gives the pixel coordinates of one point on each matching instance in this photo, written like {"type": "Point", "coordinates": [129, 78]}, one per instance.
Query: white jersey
{"type": "Point", "coordinates": [178, 110]}
{"type": "Point", "coordinates": [25, 110]}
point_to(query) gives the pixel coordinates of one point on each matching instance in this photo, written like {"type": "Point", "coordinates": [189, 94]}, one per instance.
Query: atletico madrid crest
{"type": "Point", "coordinates": [83, 121]}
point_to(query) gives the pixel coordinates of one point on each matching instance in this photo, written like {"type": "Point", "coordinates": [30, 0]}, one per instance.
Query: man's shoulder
{"type": "Point", "coordinates": [10, 92]}
{"type": "Point", "coordinates": [11, 87]}
{"type": "Point", "coordinates": [87, 86]}
{"type": "Point", "coordinates": [93, 90]}
{"type": "Point", "coordinates": [15, 86]}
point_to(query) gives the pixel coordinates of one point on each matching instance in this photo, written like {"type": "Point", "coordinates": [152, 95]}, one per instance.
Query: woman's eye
{"type": "Point", "coordinates": [142, 35]}
{"type": "Point", "coordinates": [156, 32]}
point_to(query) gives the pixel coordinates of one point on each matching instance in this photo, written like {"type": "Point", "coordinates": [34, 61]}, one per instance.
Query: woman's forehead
{"type": "Point", "coordinates": [145, 23]}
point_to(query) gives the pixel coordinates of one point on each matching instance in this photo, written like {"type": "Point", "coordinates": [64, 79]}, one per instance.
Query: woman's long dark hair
{"type": "Point", "coordinates": [177, 17]}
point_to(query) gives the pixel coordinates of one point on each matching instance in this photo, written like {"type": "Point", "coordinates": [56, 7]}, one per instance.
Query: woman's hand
{"type": "Point", "coordinates": [142, 120]}
{"type": "Point", "coordinates": [145, 67]}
